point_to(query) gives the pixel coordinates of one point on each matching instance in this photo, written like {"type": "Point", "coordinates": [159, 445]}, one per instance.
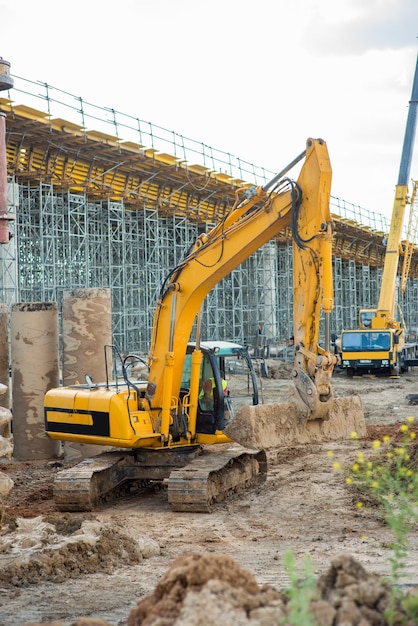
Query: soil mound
{"type": "Point", "coordinates": [58, 548]}
{"type": "Point", "coordinates": [211, 590]}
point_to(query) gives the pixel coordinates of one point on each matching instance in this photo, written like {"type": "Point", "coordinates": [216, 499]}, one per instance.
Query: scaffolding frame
{"type": "Point", "coordinates": [107, 200]}
{"type": "Point", "coordinates": [64, 241]}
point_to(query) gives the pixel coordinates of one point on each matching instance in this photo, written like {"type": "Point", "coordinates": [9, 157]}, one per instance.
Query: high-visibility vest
{"type": "Point", "coordinates": [212, 379]}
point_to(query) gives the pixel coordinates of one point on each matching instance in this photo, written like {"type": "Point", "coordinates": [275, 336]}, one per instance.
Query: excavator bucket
{"type": "Point", "coordinates": [266, 426]}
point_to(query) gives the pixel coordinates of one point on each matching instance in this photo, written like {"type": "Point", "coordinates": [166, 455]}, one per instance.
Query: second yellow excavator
{"type": "Point", "coordinates": [198, 394]}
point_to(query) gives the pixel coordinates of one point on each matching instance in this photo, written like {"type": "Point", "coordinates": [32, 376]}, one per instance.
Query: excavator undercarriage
{"type": "Point", "coordinates": [195, 477]}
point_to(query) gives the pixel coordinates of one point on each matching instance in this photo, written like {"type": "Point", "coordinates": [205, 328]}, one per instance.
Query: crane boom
{"type": "Point", "coordinates": [411, 236]}
{"type": "Point", "coordinates": [364, 349]}
{"type": "Point", "coordinates": [386, 306]}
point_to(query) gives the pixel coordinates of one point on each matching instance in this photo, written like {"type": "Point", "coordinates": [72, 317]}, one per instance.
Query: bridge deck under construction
{"type": "Point", "coordinates": [49, 155]}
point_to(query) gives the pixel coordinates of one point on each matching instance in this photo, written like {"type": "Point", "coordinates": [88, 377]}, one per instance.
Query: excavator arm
{"type": "Point", "coordinates": [312, 233]}
{"type": "Point", "coordinates": [258, 215]}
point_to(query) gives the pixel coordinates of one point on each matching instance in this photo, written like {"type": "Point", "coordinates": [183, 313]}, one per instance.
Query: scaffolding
{"type": "Point", "coordinates": [106, 200]}
{"type": "Point", "coordinates": [64, 241]}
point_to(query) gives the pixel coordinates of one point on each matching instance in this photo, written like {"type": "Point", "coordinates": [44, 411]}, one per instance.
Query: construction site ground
{"type": "Point", "coordinates": [54, 568]}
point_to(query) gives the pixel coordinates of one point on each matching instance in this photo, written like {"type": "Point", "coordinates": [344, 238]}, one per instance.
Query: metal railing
{"type": "Point", "coordinates": [57, 103]}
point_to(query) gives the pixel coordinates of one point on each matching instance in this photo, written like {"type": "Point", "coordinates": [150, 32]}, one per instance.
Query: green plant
{"type": "Point", "coordinates": [301, 591]}
{"type": "Point", "coordinates": [410, 604]}
{"type": "Point", "coordinates": [388, 475]}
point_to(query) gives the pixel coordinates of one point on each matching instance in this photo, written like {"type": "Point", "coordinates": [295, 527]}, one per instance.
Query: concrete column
{"type": "Point", "coordinates": [6, 437]}
{"type": "Point", "coordinates": [86, 329]}
{"type": "Point", "coordinates": [35, 370]}
{"type": "Point", "coordinates": [4, 354]}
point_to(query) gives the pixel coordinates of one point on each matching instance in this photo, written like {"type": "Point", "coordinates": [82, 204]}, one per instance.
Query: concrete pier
{"type": "Point", "coordinates": [35, 370]}
{"type": "Point", "coordinates": [4, 355]}
{"type": "Point", "coordinates": [86, 329]}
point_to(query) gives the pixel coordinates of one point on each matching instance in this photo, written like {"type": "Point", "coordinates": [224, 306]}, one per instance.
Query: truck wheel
{"type": "Point", "coordinates": [396, 369]}
{"type": "Point", "coordinates": [350, 372]}
{"type": "Point", "coordinates": [404, 366]}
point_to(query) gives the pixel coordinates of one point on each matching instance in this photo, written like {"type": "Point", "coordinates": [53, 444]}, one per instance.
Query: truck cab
{"type": "Point", "coordinates": [369, 351]}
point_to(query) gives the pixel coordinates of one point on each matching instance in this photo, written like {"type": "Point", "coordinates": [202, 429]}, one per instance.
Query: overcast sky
{"type": "Point", "coordinates": [255, 79]}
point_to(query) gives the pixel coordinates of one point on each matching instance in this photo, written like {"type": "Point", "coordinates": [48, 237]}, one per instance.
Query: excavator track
{"type": "Point", "coordinates": [83, 486]}
{"type": "Point", "coordinates": [213, 477]}
{"type": "Point", "coordinates": [79, 488]}
{"type": "Point", "coordinates": [195, 480]}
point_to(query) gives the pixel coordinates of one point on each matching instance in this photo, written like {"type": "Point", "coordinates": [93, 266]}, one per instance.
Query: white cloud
{"type": "Point", "coordinates": [355, 26]}
{"type": "Point", "coordinates": [253, 79]}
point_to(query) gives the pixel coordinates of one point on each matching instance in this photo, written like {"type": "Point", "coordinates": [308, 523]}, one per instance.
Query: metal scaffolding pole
{"type": "Point", "coordinates": [337, 316]}
{"type": "Point", "coordinates": [285, 292]}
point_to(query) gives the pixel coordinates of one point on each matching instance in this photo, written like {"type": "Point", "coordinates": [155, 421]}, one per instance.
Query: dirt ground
{"type": "Point", "coordinates": [61, 566]}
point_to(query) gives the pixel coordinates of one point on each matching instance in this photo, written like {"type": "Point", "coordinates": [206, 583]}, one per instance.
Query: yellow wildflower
{"type": "Point", "coordinates": [375, 484]}
{"type": "Point", "coordinates": [386, 438]}
{"type": "Point", "coordinates": [348, 480]}
{"type": "Point", "coordinates": [412, 435]}
{"type": "Point", "coordinates": [336, 465]}
{"type": "Point", "coordinates": [404, 428]}
{"type": "Point", "coordinates": [355, 467]}
{"type": "Point", "coordinates": [376, 444]}
{"type": "Point", "coordinates": [410, 419]}
{"type": "Point", "coordinates": [353, 435]}
{"type": "Point", "coordinates": [359, 505]}
{"type": "Point", "coordinates": [330, 453]}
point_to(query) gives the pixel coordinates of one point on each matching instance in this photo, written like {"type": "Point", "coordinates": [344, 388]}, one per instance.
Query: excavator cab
{"type": "Point", "coordinates": [365, 317]}
{"type": "Point", "coordinates": [227, 382]}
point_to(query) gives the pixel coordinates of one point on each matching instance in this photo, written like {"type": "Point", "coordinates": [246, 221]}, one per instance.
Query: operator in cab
{"type": "Point", "coordinates": [206, 395]}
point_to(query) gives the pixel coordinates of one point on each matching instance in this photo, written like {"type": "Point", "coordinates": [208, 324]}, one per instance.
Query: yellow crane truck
{"type": "Point", "coordinates": [379, 344]}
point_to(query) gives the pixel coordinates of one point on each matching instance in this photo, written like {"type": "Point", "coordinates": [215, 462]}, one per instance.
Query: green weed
{"type": "Point", "coordinates": [388, 477]}
{"type": "Point", "coordinates": [301, 591]}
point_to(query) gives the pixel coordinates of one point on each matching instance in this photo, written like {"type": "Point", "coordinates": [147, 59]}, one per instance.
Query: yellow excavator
{"type": "Point", "coordinates": [163, 428]}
